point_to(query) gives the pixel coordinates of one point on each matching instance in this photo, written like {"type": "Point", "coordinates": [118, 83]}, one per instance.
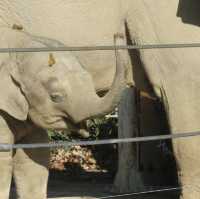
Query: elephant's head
{"type": "Point", "coordinates": [53, 89]}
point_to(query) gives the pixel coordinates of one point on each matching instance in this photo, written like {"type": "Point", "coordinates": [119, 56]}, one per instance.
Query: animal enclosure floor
{"type": "Point", "coordinates": [93, 191]}
{"type": "Point", "coordinates": [63, 188]}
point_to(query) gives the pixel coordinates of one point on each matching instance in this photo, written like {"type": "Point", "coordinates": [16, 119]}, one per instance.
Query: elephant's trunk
{"type": "Point", "coordinates": [103, 105]}
{"type": "Point", "coordinates": [112, 98]}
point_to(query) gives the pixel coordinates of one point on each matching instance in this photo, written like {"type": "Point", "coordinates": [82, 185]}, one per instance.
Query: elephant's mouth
{"type": "Point", "coordinates": [52, 121]}
{"type": "Point", "coordinates": [69, 123]}
{"type": "Point", "coordinates": [60, 123]}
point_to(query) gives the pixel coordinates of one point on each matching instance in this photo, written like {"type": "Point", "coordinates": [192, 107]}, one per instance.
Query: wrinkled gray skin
{"type": "Point", "coordinates": [174, 72]}
{"type": "Point", "coordinates": [43, 91]}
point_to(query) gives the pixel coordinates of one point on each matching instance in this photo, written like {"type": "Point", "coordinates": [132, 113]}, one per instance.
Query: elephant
{"type": "Point", "coordinates": [42, 91]}
{"type": "Point", "coordinates": [170, 74]}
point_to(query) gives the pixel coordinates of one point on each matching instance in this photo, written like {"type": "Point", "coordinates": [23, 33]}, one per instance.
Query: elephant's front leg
{"type": "Point", "coordinates": [5, 174]}
{"type": "Point", "coordinates": [187, 155]}
{"type": "Point", "coordinates": [6, 136]}
{"type": "Point", "coordinates": [31, 168]}
{"type": "Point", "coordinates": [184, 101]}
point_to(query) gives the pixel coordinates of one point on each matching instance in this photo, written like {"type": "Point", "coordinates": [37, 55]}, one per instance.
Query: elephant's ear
{"type": "Point", "coordinates": [12, 99]}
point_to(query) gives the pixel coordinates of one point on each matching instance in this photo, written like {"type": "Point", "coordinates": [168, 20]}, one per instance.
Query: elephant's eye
{"type": "Point", "coordinates": [57, 97]}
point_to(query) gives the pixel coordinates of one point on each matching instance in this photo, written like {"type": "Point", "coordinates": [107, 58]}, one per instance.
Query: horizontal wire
{"type": "Point", "coordinates": [6, 147]}
{"type": "Point", "coordinates": [95, 48]}
{"type": "Point", "coordinates": [142, 192]}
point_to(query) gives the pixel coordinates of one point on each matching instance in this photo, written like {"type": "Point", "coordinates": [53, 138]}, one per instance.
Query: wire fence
{"type": "Point", "coordinates": [99, 48]}
{"type": "Point", "coordinates": [143, 192]}
{"type": "Point", "coordinates": [4, 146]}
{"type": "Point", "coordinates": [7, 147]}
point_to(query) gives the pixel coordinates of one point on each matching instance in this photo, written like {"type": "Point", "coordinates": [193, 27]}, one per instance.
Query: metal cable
{"type": "Point", "coordinates": [95, 48]}
{"type": "Point", "coordinates": [98, 142]}
{"type": "Point", "coordinates": [142, 192]}
{"type": "Point", "coordinates": [167, 189]}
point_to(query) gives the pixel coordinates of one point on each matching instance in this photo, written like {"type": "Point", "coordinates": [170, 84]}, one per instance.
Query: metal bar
{"type": "Point", "coordinates": [95, 48]}
{"type": "Point", "coordinates": [99, 142]}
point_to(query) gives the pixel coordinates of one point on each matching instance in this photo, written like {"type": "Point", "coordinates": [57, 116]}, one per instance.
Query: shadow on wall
{"type": "Point", "coordinates": [189, 11]}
